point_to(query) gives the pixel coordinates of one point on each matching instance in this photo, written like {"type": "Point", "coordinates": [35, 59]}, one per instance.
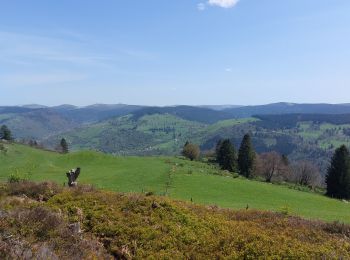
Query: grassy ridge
{"type": "Point", "coordinates": [181, 179]}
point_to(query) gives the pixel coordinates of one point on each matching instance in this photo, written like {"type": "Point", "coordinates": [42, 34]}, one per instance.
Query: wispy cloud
{"type": "Point", "coordinates": [220, 3]}
{"type": "Point", "coordinates": [201, 6]}
{"type": "Point", "coordinates": [62, 56]}
{"type": "Point", "coordinates": [23, 48]}
{"type": "Point", "coordinates": [32, 79]}
{"type": "Point", "coordinates": [223, 3]}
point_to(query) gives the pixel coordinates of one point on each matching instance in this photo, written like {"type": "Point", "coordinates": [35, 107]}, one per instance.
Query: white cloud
{"type": "Point", "coordinates": [201, 6]}
{"type": "Point", "coordinates": [223, 3]}
{"type": "Point", "coordinates": [228, 69]}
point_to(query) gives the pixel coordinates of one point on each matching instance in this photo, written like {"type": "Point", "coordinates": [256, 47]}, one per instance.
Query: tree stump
{"type": "Point", "coordinates": [72, 176]}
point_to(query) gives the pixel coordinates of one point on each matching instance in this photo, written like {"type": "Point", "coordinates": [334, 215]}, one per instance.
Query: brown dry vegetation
{"type": "Point", "coordinates": [135, 226]}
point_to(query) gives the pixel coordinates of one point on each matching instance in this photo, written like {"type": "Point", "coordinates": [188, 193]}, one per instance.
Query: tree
{"type": "Point", "coordinates": [246, 157]}
{"type": "Point", "coordinates": [271, 164]}
{"type": "Point", "coordinates": [285, 160]}
{"type": "Point", "coordinates": [64, 146]}
{"type": "Point", "coordinates": [338, 175]}
{"type": "Point", "coordinates": [306, 174]}
{"type": "Point", "coordinates": [191, 151]}
{"type": "Point", "coordinates": [5, 133]}
{"type": "Point", "coordinates": [226, 155]}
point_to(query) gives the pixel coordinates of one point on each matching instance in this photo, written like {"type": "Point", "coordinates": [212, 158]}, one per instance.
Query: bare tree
{"type": "Point", "coordinates": [305, 173]}
{"type": "Point", "coordinates": [270, 165]}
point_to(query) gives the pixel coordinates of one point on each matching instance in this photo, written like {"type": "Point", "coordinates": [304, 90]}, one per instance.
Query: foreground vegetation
{"type": "Point", "coordinates": [82, 222]}
{"type": "Point", "coordinates": [170, 176]}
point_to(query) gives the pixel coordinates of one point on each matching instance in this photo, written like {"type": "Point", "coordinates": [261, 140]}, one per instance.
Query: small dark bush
{"type": "Point", "coordinates": [39, 191]}
{"type": "Point", "coordinates": [83, 188]}
{"type": "Point", "coordinates": [337, 228]}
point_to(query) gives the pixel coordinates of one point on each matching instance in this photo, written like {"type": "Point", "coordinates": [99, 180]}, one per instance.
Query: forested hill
{"type": "Point", "coordinates": [291, 120]}
{"type": "Point", "coordinates": [198, 114]}
{"type": "Point", "coordinates": [288, 108]}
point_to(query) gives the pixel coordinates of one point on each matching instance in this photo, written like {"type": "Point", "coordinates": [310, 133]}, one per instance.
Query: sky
{"type": "Point", "coordinates": [170, 52]}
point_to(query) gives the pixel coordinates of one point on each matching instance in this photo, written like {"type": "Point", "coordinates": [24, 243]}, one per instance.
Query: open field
{"type": "Point", "coordinates": [178, 178]}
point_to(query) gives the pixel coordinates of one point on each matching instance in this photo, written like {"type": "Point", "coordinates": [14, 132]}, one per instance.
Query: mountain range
{"type": "Point", "coordinates": [301, 131]}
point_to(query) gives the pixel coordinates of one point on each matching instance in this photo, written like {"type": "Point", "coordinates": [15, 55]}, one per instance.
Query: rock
{"type": "Point", "coordinates": [155, 205]}
{"type": "Point", "coordinates": [75, 228]}
{"type": "Point", "coordinates": [45, 252]}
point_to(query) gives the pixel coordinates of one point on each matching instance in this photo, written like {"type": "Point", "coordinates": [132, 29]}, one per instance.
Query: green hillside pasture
{"type": "Point", "coordinates": [178, 178]}
{"type": "Point", "coordinates": [228, 123]}
{"type": "Point", "coordinates": [325, 134]}
{"type": "Point", "coordinates": [129, 174]}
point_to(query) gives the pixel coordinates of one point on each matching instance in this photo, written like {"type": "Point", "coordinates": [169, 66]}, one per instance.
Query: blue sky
{"type": "Point", "coordinates": [166, 52]}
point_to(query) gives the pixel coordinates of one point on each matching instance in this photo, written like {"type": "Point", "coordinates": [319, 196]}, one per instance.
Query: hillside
{"type": "Point", "coordinates": [287, 108]}
{"type": "Point", "coordinates": [299, 136]}
{"type": "Point", "coordinates": [197, 114]}
{"type": "Point", "coordinates": [153, 134]}
{"type": "Point", "coordinates": [135, 130]}
{"type": "Point", "coordinates": [36, 117]}
{"type": "Point", "coordinates": [174, 177]}
{"type": "Point", "coordinates": [36, 123]}
{"type": "Point", "coordinates": [85, 223]}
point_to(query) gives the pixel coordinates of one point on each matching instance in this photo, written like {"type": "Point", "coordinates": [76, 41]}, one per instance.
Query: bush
{"type": "Point", "coordinates": [3, 149]}
{"type": "Point", "coordinates": [41, 233]}
{"type": "Point", "coordinates": [191, 151]}
{"type": "Point", "coordinates": [17, 177]}
{"type": "Point", "coordinates": [39, 191]}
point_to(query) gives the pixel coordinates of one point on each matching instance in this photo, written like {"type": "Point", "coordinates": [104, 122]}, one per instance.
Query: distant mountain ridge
{"type": "Point", "coordinates": [288, 108]}
{"type": "Point", "coordinates": [38, 121]}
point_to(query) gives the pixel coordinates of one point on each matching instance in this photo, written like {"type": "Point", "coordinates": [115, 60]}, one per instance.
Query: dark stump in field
{"type": "Point", "coordinates": [72, 176]}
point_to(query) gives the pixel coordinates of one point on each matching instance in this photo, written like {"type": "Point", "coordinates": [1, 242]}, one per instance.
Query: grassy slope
{"type": "Point", "coordinates": [179, 178]}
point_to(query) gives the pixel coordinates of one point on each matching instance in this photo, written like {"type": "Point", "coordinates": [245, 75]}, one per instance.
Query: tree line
{"type": "Point", "coordinates": [272, 166]}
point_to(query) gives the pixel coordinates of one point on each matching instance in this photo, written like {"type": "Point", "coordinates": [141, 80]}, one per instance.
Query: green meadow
{"type": "Point", "coordinates": [177, 178]}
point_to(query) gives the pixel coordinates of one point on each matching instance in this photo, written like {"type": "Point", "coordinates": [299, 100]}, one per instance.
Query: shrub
{"type": "Point", "coordinates": [3, 149]}
{"type": "Point", "coordinates": [39, 191]}
{"type": "Point", "coordinates": [191, 151]}
{"type": "Point", "coordinates": [17, 177]}
{"type": "Point", "coordinates": [41, 233]}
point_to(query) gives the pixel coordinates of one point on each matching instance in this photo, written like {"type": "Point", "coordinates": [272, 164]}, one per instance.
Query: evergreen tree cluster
{"type": "Point", "coordinates": [228, 159]}
{"type": "Point", "coordinates": [338, 176]}
{"type": "Point", "coordinates": [5, 133]}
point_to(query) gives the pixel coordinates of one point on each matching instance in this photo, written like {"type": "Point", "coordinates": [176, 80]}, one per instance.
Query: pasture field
{"type": "Point", "coordinates": [174, 177]}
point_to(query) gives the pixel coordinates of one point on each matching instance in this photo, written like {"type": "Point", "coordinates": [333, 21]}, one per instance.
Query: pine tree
{"type": "Point", "coordinates": [5, 133]}
{"type": "Point", "coordinates": [285, 160]}
{"type": "Point", "coordinates": [338, 175]}
{"type": "Point", "coordinates": [246, 157]}
{"type": "Point", "coordinates": [64, 145]}
{"type": "Point", "coordinates": [226, 155]}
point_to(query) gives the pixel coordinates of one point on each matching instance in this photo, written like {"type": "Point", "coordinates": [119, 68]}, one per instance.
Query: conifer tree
{"type": "Point", "coordinates": [64, 146]}
{"type": "Point", "coordinates": [5, 133]}
{"type": "Point", "coordinates": [226, 155]}
{"type": "Point", "coordinates": [338, 175]}
{"type": "Point", "coordinates": [246, 157]}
